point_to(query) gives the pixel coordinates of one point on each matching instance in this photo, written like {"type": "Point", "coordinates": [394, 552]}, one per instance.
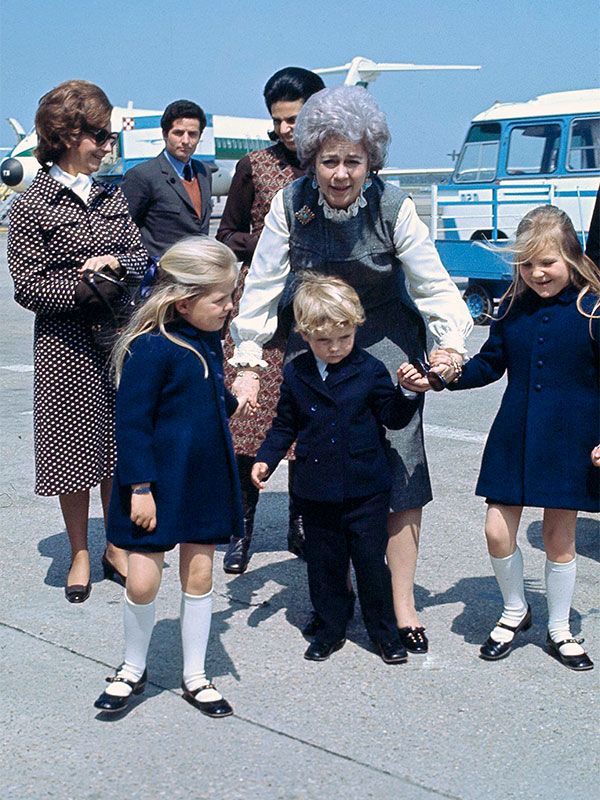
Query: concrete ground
{"type": "Point", "coordinates": [445, 725]}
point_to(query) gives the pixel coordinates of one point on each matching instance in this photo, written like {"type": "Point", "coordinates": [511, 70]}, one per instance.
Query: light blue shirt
{"type": "Point", "coordinates": [177, 165]}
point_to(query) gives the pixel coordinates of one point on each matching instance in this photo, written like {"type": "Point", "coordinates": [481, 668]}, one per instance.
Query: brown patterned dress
{"type": "Point", "coordinates": [258, 178]}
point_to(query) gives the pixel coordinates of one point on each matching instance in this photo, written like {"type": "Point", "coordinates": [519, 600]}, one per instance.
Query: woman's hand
{"type": "Point", "coordinates": [596, 456]}
{"type": "Point", "coordinates": [243, 411]}
{"type": "Point", "coordinates": [246, 387]}
{"type": "Point", "coordinates": [97, 262]}
{"type": "Point", "coordinates": [259, 474]}
{"type": "Point", "coordinates": [143, 511]}
{"type": "Point", "coordinates": [447, 363]}
{"type": "Point", "coordinates": [410, 378]}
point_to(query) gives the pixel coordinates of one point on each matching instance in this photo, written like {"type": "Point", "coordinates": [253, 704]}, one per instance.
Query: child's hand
{"type": "Point", "coordinates": [410, 378]}
{"type": "Point", "coordinates": [596, 456]}
{"type": "Point", "coordinates": [143, 511]}
{"type": "Point", "coordinates": [448, 363]}
{"type": "Point", "coordinates": [259, 474]}
{"type": "Point", "coordinates": [243, 411]}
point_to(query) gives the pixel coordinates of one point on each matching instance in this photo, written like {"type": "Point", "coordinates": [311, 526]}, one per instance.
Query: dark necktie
{"type": "Point", "coordinates": [187, 172]}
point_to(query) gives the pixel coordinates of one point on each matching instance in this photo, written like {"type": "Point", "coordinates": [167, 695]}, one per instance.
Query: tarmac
{"type": "Point", "coordinates": [444, 725]}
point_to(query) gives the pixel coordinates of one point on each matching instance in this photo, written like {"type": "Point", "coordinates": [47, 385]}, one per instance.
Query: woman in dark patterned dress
{"type": "Point", "coordinates": [64, 223]}
{"type": "Point", "coordinates": [258, 177]}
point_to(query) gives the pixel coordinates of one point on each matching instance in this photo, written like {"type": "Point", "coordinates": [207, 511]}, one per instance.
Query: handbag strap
{"type": "Point", "coordinates": [90, 277]}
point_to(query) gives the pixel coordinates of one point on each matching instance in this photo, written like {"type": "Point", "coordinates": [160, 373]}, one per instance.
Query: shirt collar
{"type": "Point", "coordinates": [177, 165]}
{"type": "Point", "coordinates": [80, 184]}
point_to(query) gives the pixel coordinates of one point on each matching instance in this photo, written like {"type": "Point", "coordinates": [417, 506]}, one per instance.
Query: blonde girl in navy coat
{"type": "Point", "coordinates": [176, 481]}
{"type": "Point", "coordinates": [542, 448]}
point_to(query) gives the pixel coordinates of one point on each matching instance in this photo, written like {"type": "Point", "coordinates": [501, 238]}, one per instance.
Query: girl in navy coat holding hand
{"type": "Point", "coordinates": [176, 480]}
{"type": "Point", "coordinates": [538, 451]}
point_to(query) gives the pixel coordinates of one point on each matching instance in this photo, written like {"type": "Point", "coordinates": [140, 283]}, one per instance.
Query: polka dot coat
{"type": "Point", "coordinates": [52, 232]}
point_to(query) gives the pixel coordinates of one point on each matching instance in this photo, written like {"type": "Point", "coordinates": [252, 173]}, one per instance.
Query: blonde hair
{"type": "Point", "coordinates": [190, 268]}
{"type": "Point", "coordinates": [323, 301]}
{"type": "Point", "coordinates": [549, 226]}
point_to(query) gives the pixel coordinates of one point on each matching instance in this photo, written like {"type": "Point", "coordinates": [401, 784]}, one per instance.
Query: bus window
{"type": "Point", "coordinates": [584, 145]}
{"type": "Point", "coordinates": [533, 149]}
{"type": "Point", "coordinates": [479, 157]}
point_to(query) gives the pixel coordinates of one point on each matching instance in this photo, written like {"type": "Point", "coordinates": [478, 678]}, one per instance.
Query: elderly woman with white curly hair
{"type": "Point", "coordinates": [342, 219]}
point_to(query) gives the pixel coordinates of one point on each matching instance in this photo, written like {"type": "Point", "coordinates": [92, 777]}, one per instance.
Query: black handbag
{"type": "Point", "coordinates": [106, 302]}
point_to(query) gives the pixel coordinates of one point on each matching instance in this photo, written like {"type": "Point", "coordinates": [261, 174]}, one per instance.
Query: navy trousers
{"type": "Point", "coordinates": [337, 533]}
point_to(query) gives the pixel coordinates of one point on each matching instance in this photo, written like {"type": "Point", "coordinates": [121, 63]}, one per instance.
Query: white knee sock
{"type": "Point", "coordinates": [138, 621]}
{"type": "Point", "coordinates": [196, 615]}
{"type": "Point", "coordinates": [560, 586]}
{"type": "Point", "coordinates": [509, 574]}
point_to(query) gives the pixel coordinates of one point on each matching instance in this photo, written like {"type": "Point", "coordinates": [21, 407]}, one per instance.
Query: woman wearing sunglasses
{"type": "Point", "coordinates": [65, 223]}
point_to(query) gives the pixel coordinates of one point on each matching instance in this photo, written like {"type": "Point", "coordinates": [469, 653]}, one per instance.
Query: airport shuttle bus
{"type": "Point", "coordinates": [516, 156]}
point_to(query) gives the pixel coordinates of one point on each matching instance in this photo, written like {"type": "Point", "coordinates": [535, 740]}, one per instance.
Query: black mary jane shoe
{"type": "Point", "coordinates": [392, 652]}
{"type": "Point", "coordinates": [78, 593]}
{"type": "Point", "coordinates": [414, 639]}
{"type": "Point", "coordinates": [579, 662]}
{"type": "Point", "coordinates": [111, 573]}
{"type": "Point", "coordinates": [111, 703]}
{"type": "Point", "coordinates": [492, 650]}
{"type": "Point", "coordinates": [320, 651]}
{"type": "Point", "coordinates": [212, 708]}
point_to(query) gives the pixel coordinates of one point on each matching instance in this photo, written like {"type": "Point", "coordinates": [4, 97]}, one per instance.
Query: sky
{"type": "Point", "coordinates": [221, 53]}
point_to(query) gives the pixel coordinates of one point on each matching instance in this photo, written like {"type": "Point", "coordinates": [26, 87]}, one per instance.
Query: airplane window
{"type": "Point", "coordinates": [479, 157]}
{"type": "Point", "coordinates": [533, 149]}
{"type": "Point", "coordinates": [584, 145]}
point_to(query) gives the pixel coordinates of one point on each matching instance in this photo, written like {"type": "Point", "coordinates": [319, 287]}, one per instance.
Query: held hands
{"type": "Point", "coordinates": [596, 456]}
{"type": "Point", "coordinates": [246, 387]}
{"type": "Point", "coordinates": [97, 262]}
{"type": "Point", "coordinates": [446, 363]}
{"type": "Point", "coordinates": [143, 510]}
{"type": "Point", "coordinates": [259, 474]}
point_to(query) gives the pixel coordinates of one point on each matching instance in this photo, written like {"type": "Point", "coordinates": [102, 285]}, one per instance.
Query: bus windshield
{"type": "Point", "coordinates": [479, 157]}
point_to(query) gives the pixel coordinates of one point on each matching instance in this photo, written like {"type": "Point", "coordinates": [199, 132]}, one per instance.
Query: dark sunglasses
{"type": "Point", "coordinates": [101, 135]}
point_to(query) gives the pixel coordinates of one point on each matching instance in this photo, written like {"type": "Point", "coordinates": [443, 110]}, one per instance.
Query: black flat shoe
{"type": "Point", "coordinates": [320, 651]}
{"type": "Point", "coordinates": [492, 650]}
{"type": "Point", "coordinates": [111, 703]}
{"type": "Point", "coordinates": [392, 652]}
{"type": "Point", "coordinates": [237, 557]}
{"type": "Point", "coordinates": [78, 593]}
{"type": "Point", "coordinates": [212, 708]}
{"type": "Point", "coordinates": [579, 662]}
{"type": "Point", "coordinates": [414, 639]}
{"type": "Point", "coordinates": [111, 573]}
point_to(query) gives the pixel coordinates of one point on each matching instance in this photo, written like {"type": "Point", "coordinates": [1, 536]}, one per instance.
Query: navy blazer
{"type": "Point", "coordinates": [160, 205]}
{"type": "Point", "coordinates": [338, 426]}
{"type": "Point", "coordinates": [538, 449]}
{"type": "Point", "coordinates": [172, 430]}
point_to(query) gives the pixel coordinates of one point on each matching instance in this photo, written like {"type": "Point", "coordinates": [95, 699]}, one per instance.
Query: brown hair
{"type": "Point", "coordinates": [549, 226]}
{"type": "Point", "coordinates": [64, 112]}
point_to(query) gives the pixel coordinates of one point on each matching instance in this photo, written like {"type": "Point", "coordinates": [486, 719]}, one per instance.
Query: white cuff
{"type": "Point", "coordinates": [248, 354]}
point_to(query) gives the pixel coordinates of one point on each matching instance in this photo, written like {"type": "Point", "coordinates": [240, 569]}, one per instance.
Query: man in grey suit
{"type": "Point", "coordinates": [169, 196]}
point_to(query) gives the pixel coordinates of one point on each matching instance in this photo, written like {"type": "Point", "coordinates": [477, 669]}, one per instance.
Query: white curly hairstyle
{"type": "Point", "coordinates": [345, 112]}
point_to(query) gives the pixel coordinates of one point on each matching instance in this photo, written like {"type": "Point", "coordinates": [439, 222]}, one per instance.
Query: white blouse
{"type": "Point", "coordinates": [80, 184]}
{"type": "Point", "coordinates": [433, 291]}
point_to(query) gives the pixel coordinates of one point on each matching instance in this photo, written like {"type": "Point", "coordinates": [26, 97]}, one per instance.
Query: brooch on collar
{"type": "Point", "coordinates": [305, 215]}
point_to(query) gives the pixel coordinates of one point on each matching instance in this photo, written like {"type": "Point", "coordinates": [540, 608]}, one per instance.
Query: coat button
{"type": "Point", "coordinates": [540, 363]}
{"type": "Point", "coordinates": [332, 440]}
{"type": "Point", "coordinates": [541, 340]}
{"type": "Point", "coordinates": [313, 408]}
{"type": "Point", "coordinates": [315, 460]}
{"type": "Point", "coordinates": [545, 318]}
{"type": "Point", "coordinates": [538, 387]}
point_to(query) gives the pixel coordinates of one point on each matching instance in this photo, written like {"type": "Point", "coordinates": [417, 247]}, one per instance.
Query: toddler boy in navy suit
{"type": "Point", "coordinates": [335, 401]}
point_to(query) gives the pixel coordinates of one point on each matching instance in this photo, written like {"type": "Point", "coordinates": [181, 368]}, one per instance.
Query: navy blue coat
{"type": "Point", "coordinates": [538, 450]}
{"type": "Point", "coordinates": [341, 450]}
{"type": "Point", "coordinates": [172, 430]}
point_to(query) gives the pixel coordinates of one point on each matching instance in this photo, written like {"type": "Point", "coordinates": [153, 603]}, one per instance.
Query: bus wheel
{"type": "Point", "coordinates": [479, 302]}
